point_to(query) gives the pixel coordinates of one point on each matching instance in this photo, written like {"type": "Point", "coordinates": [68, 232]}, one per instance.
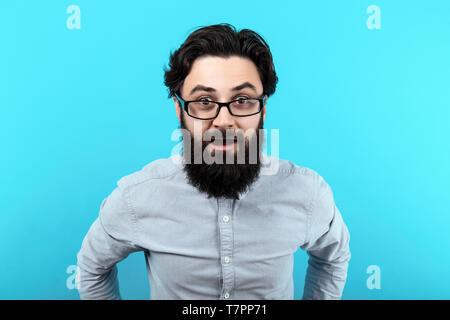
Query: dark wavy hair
{"type": "Point", "coordinates": [221, 40]}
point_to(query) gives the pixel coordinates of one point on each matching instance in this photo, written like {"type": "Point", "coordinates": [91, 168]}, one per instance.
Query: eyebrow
{"type": "Point", "coordinates": [244, 85]}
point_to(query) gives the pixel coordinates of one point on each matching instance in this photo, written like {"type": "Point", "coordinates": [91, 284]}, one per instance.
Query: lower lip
{"type": "Point", "coordinates": [223, 147]}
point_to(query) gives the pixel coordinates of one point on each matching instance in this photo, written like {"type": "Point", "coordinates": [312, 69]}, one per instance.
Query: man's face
{"type": "Point", "coordinates": [215, 78]}
{"type": "Point", "coordinates": [222, 80]}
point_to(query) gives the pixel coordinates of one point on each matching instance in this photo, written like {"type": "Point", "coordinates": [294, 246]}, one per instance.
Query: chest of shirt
{"type": "Point", "coordinates": [179, 220]}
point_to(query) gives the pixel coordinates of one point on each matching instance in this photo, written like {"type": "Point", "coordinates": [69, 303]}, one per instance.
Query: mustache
{"type": "Point", "coordinates": [223, 134]}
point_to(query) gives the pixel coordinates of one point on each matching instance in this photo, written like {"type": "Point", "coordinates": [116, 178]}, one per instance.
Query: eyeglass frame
{"type": "Point", "coordinates": [261, 100]}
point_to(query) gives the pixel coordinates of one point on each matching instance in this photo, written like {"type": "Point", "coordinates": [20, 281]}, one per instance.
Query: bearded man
{"type": "Point", "coordinates": [216, 221]}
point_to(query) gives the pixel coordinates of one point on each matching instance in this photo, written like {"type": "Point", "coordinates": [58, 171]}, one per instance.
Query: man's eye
{"type": "Point", "coordinates": [241, 99]}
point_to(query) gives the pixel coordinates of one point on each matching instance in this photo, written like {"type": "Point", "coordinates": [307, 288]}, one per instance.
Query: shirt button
{"type": "Point", "coordinates": [226, 218]}
{"type": "Point", "coordinates": [227, 259]}
{"type": "Point", "coordinates": [226, 295]}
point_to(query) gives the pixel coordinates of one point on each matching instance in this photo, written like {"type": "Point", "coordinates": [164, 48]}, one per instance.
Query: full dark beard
{"type": "Point", "coordinates": [223, 179]}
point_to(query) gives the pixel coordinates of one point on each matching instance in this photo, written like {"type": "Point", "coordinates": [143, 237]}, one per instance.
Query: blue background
{"type": "Point", "coordinates": [367, 109]}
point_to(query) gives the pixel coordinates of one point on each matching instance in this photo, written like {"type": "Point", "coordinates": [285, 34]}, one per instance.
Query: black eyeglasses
{"type": "Point", "coordinates": [204, 109]}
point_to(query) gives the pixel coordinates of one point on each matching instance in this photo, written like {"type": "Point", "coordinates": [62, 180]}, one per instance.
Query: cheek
{"type": "Point", "coordinates": [249, 126]}
{"type": "Point", "coordinates": [198, 128]}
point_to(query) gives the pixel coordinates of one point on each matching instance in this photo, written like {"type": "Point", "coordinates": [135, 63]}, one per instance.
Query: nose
{"type": "Point", "coordinates": [224, 119]}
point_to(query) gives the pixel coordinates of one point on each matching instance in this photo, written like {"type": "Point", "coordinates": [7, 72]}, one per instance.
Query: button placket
{"type": "Point", "coordinates": [226, 246]}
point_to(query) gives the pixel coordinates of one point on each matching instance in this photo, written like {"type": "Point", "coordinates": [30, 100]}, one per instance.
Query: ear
{"type": "Point", "coordinates": [264, 109]}
{"type": "Point", "coordinates": [177, 108]}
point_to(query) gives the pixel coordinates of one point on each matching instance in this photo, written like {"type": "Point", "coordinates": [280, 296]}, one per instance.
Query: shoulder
{"type": "Point", "coordinates": [301, 181]}
{"type": "Point", "coordinates": [307, 184]}
{"type": "Point", "coordinates": [157, 169]}
{"type": "Point", "coordinates": [286, 169]}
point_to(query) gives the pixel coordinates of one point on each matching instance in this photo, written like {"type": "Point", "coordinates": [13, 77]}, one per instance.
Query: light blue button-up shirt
{"type": "Point", "coordinates": [216, 248]}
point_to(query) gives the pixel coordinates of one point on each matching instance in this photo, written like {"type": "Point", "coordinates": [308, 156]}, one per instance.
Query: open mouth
{"type": "Point", "coordinates": [223, 142]}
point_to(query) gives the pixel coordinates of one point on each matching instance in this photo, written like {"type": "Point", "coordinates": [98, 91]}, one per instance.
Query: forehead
{"type": "Point", "coordinates": [222, 74]}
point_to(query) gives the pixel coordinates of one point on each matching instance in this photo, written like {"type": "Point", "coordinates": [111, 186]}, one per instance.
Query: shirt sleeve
{"type": "Point", "coordinates": [327, 246]}
{"type": "Point", "coordinates": [109, 240]}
